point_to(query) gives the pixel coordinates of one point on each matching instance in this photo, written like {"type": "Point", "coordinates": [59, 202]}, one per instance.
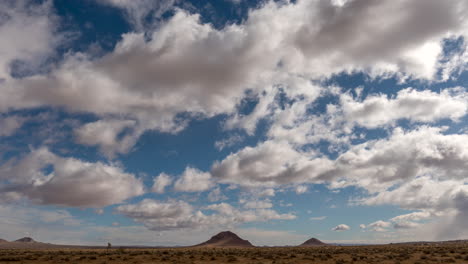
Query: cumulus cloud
{"type": "Point", "coordinates": [268, 164]}
{"type": "Point", "coordinates": [45, 178]}
{"type": "Point", "coordinates": [106, 135]}
{"type": "Point", "coordinates": [403, 156]}
{"type": "Point", "coordinates": [439, 205]}
{"type": "Point", "coordinates": [421, 169]}
{"type": "Point", "coordinates": [416, 106]}
{"type": "Point", "coordinates": [341, 227]}
{"type": "Point", "coordinates": [414, 216]}
{"type": "Point", "coordinates": [31, 29]}
{"type": "Point", "coordinates": [193, 180]}
{"type": "Point", "coordinates": [413, 44]}
{"type": "Point", "coordinates": [421, 193]}
{"type": "Point", "coordinates": [337, 124]}
{"type": "Point", "coordinates": [159, 216]}
{"type": "Point", "coordinates": [185, 66]}
{"type": "Point", "coordinates": [161, 182]}
{"type": "Point", "coordinates": [379, 226]}
{"type": "Point", "coordinates": [374, 165]}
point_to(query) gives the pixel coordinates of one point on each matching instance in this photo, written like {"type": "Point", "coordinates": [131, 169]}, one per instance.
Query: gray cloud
{"type": "Point", "coordinates": [169, 215]}
{"type": "Point", "coordinates": [374, 165]}
{"type": "Point", "coordinates": [193, 180]}
{"type": "Point", "coordinates": [184, 66]}
{"type": "Point", "coordinates": [268, 164]}
{"type": "Point", "coordinates": [341, 227]}
{"type": "Point", "coordinates": [416, 106]}
{"type": "Point", "coordinates": [32, 37]}
{"type": "Point", "coordinates": [379, 226]}
{"type": "Point", "coordinates": [105, 134]}
{"type": "Point", "coordinates": [161, 182]}
{"type": "Point", "coordinates": [422, 193]}
{"type": "Point", "coordinates": [46, 178]}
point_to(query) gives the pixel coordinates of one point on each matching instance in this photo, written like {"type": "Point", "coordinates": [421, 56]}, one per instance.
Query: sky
{"type": "Point", "coordinates": [163, 122]}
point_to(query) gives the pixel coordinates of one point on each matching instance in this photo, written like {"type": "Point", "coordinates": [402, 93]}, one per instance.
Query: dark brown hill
{"type": "Point", "coordinates": [25, 240]}
{"type": "Point", "coordinates": [226, 239]}
{"type": "Point", "coordinates": [313, 242]}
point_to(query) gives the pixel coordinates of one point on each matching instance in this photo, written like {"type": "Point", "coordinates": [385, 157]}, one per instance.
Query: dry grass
{"type": "Point", "coordinates": [392, 254]}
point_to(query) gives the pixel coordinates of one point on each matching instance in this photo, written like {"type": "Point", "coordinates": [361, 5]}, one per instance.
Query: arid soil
{"type": "Point", "coordinates": [393, 254]}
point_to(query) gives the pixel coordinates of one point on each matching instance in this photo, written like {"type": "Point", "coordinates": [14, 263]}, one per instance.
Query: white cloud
{"type": "Point", "coordinates": [184, 66]}
{"type": "Point", "coordinates": [374, 165]}
{"type": "Point", "coordinates": [193, 180]}
{"type": "Point", "coordinates": [379, 226]}
{"type": "Point", "coordinates": [419, 194]}
{"type": "Point", "coordinates": [32, 37]}
{"type": "Point", "coordinates": [159, 216]}
{"type": "Point", "coordinates": [46, 178]}
{"type": "Point", "coordinates": [341, 227]}
{"type": "Point", "coordinates": [296, 125]}
{"type": "Point", "coordinates": [105, 134]}
{"type": "Point", "coordinates": [414, 216]}
{"type": "Point", "coordinates": [440, 205]}
{"type": "Point", "coordinates": [379, 164]}
{"type": "Point", "coordinates": [161, 182]}
{"type": "Point", "coordinates": [258, 215]}
{"type": "Point", "coordinates": [268, 164]}
{"type": "Point", "coordinates": [416, 106]}
{"type": "Point", "coordinates": [301, 189]}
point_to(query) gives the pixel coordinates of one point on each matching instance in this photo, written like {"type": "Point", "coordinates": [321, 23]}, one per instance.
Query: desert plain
{"type": "Point", "coordinates": [227, 247]}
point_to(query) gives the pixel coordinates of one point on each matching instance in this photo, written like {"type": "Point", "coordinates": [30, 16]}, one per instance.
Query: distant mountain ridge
{"type": "Point", "coordinates": [226, 239]}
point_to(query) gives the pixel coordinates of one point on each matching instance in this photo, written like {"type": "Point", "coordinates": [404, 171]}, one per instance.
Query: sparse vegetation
{"type": "Point", "coordinates": [391, 254]}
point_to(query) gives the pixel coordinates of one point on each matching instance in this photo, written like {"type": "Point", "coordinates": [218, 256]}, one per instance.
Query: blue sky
{"type": "Point", "coordinates": [164, 122]}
